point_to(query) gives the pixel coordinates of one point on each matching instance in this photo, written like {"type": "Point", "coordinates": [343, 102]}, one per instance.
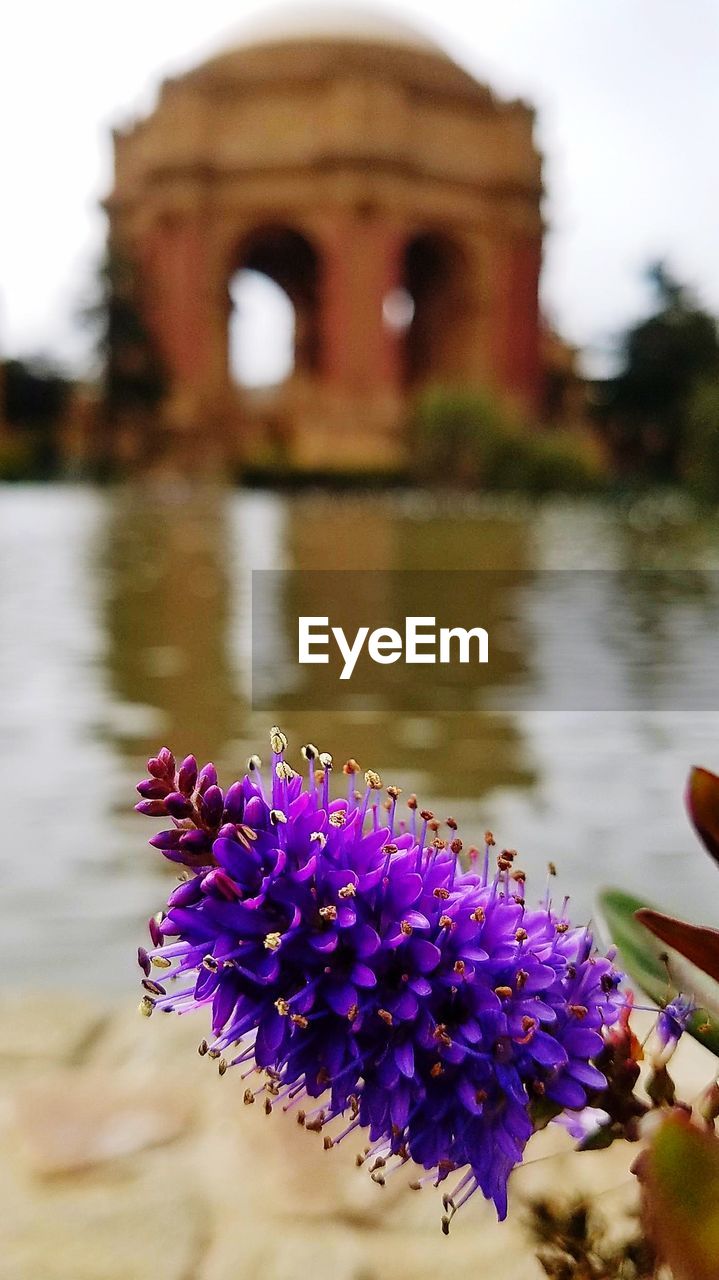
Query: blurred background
{"type": "Point", "coordinates": [339, 288]}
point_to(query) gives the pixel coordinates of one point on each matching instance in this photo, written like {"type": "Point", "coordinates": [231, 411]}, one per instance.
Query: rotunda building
{"type": "Point", "coordinates": [393, 199]}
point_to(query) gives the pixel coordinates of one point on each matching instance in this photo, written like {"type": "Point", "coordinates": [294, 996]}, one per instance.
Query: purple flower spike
{"type": "Point", "coordinates": [672, 1023]}
{"type": "Point", "coordinates": [370, 978]}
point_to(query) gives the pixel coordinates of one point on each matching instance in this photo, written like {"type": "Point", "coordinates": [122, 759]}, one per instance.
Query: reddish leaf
{"type": "Point", "coordinates": [680, 1178]}
{"type": "Point", "coordinates": [702, 801]}
{"type": "Point", "coordinates": [695, 942]}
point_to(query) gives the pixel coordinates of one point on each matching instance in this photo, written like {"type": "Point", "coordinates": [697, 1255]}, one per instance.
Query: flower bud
{"type": "Point", "coordinates": [207, 777]}
{"type": "Point", "coordinates": [235, 802]}
{"type": "Point", "coordinates": [153, 789]}
{"type": "Point", "coordinates": [186, 893]}
{"type": "Point", "coordinates": [178, 806]}
{"type": "Point", "coordinates": [219, 883]}
{"type": "Point", "coordinates": [166, 839]}
{"type": "Point", "coordinates": [187, 776]}
{"type": "Point", "coordinates": [211, 805]}
{"type": "Point", "coordinates": [152, 808]}
{"type": "Point", "coordinates": [195, 841]}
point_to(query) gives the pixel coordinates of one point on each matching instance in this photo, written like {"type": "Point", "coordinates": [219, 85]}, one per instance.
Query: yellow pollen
{"type": "Point", "coordinates": [284, 771]}
{"type": "Point", "coordinates": [272, 941]}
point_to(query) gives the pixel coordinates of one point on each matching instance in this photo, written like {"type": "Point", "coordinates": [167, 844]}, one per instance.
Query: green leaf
{"type": "Point", "coordinates": [702, 801]}
{"type": "Point", "coordinates": [641, 956]}
{"type": "Point", "coordinates": [681, 1186]}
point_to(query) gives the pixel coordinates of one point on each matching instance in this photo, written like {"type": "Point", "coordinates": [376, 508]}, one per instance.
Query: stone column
{"type": "Point", "coordinates": [362, 263]}
{"type": "Point", "coordinates": [515, 317]}
{"type": "Point", "coordinates": [180, 305]}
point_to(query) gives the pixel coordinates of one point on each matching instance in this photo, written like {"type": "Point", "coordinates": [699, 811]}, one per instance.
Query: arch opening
{"type": "Point", "coordinates": [431, 304]}
{"type": "Point", "coordinates": [261, 331]}
{"type": "Point", "coordinates": [273, 327]}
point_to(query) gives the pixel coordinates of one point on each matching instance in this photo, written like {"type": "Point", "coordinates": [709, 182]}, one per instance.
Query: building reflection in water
{"type": "Point", "coordinates": [168, 604]}
{"type": "Point", "coordinates": [377, 542]}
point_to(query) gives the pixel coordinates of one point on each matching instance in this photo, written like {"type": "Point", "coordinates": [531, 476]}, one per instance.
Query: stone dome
{"type": "Point", "coordinates": [296, 41]}
{"type": "Point", "coordinates": [329, 22]}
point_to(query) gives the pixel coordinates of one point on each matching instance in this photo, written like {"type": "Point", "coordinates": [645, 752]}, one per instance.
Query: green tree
{"type": "Point", "coordinates": [132, 371]}
{"type": "Point", "coordinates": [35, 398]}
{"type": "Point", "coordinates": [665, 359]}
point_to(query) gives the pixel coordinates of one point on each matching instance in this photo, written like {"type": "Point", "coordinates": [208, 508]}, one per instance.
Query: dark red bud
{"type": "Point", "coordinates": [207, 778]}
{"type": "Point", "coordinates": [187, 777]}
{"type": "Point", "coordinates": [167, 760]}
{"type": "Point", "coordinates": [155, 931]}
{"type": "Point", "coordinates": [153, 789]}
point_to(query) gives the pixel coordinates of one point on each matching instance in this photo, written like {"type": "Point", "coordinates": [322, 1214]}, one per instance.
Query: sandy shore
{"type": "Point", "coordinates": [124, 1156]}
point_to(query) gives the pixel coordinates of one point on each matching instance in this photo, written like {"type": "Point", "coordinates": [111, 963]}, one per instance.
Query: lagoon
{"type": "Point", "coordinates": [125, 623]}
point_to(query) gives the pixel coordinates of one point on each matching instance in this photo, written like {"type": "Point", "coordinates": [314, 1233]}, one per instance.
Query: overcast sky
{"type": "Point", "coordinates": [628, 100]}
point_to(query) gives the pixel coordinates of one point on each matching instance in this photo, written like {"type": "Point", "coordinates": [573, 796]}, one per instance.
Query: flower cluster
{"type": "Point", "coordinates": [366, 968]}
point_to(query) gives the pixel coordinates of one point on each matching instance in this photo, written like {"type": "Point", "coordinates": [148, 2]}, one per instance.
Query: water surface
{"type": "Point", "coordinates": [125, 624]}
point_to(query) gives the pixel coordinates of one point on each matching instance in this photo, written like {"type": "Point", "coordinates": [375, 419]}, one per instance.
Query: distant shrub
{"type": "Point", "coordinates": [17, 459]}
{"type": "Point", "coordinates": [560, 460]}
{"type": "Point", "coordinates": [472, 439]}
{"type": "Point", "coordinates": [700, 455]}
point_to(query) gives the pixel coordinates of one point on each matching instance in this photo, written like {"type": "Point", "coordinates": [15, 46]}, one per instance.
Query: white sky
{"type": "Point", "coordinates": [628, 99]}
